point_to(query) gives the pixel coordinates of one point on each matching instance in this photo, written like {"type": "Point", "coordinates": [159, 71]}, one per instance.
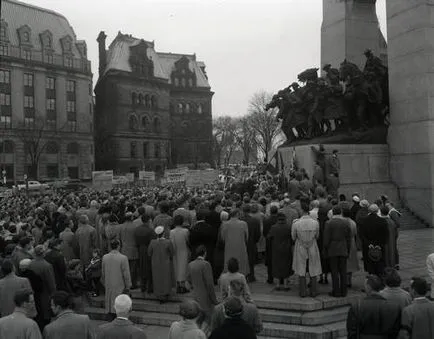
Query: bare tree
{"type": "Point", "coordinates": [35, 137]}
{"type": "Point", "coordinates": [224, 139]}
{"type": "Point", "coordinates": [246, 138]}
{"type": "Point", "coordinates": [264, 123]}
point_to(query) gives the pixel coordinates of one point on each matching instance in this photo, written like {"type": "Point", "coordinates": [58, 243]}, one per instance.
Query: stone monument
{"type": "Point", "coordinates": [349, 27]}
{"type": "Point", "coordinates": [410, 29]}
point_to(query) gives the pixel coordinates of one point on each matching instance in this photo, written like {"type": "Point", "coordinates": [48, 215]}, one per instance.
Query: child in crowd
{"type": "Point", "coordinates": [93, 273]}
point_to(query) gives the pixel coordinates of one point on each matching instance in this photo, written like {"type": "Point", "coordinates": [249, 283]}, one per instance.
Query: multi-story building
{"type": "Point", "coordinates": [153, 109]}
{"type": "Point", "coordinates": [46, 105]}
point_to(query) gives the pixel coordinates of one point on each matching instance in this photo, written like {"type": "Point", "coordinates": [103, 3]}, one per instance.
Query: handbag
{"type": "Point", "coordinates": [375, 253]}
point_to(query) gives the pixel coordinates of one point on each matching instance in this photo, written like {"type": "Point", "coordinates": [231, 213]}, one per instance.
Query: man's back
{"type": "Point", "coordinates": [18, 326]}
{"type": "Point", "coordinates": [337, 236]}
{"type": "Point", "coordinates": [373, 316]}
{"type": "Point", "coordinates": [234, 328]}
{"type": "Point", "coordinates": [8, 286]}
{"type": "Point", "coordinates": [120, 329]}
{"type": "Point", "coordinates": [418, 320]}
{"type": "Point", "coordinates": [69, 325]}
{"type": "Point", "coordinates": [397, 295]}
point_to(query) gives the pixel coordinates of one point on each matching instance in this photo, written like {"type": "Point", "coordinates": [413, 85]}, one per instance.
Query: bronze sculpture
{"type": "Point", "coordinates": [354, 100]}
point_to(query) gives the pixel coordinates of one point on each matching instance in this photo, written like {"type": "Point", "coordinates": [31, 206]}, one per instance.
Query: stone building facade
{"type": "Point", "coordinates": [153, 110]}
{"type": "Point", "coordinates": [46, 110]}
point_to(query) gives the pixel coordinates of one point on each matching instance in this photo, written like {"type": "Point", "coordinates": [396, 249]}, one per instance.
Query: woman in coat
{"type": "Point", "coordinates": [305, 233]}
{"type": "Point", "coordinates": [353, 260]}
{"type": "Point", "coordinates": [281, 251]}
{"type": "Point", "coordinates": [69, 244]}
{"type": "Point", "coordinates": [161, 252]}
{"type": "Point", "coordinates": [235, 235]}
{"type": "Point", "coordinates": [179, 238]}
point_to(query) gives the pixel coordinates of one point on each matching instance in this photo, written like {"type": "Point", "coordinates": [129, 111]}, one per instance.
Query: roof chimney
{"type": "Point", "coordinates": [102, 52]}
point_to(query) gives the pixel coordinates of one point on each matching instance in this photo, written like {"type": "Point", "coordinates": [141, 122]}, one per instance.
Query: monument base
{"type": "Point", "coordinates": [364, 167]}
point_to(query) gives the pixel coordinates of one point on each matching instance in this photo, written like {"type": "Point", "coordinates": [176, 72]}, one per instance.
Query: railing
{"type": "Point", "coordinates": [57, 60]}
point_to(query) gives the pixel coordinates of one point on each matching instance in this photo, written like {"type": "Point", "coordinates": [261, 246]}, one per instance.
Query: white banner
{"type": "Point", "coordinates": [176, 175]}
{"type": "Point", "coordinates": [102, 180]}
{"type": "Point", "coordinates": [200, 178]}
{"type": "Point", "coordinates": [147, 175]}
{"type": "Point", "coordinates": [130, 177]}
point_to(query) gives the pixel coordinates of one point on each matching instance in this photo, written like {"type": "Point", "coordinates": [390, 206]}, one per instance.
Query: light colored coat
{"type": "Point", "coordinates": [179, 239]}
{"type": "Point", "coordinates": [68, 244]}
{"type": "Point", "coordinates": [201, 278]}
{"type": "Point", "coordinates": [86, 240]}
{"type": "Point", "coordinates": [235, 235]}
{"type": "Point", "coordinates": [17, 326]}
{"type": "Point", "coordinates": [305, 232]}
{"type": "Point", "coordinates": [115, 276]}
{"type": "Point", "coordinates": [128, 241]}
{"type": "Point", "coordinates": [185, 329]}
{"type": "Point", "coordinates": [69, 325]}
{"type": "Point", "coordinates": [9, 285]}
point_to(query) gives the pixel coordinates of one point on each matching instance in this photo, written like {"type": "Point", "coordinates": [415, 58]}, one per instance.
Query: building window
{"type": "Point", "coordinates": [147, 101]}
{"type": "Point", "coordinates": [49, 58]}
{"type": "Point", "coordinates": [199, 109]}
{"type": "Point", "coordinates": [183, 82]}
{"type": "Point", "coordinates": [5, 77]}
{"type": "Point", "coordinates": [51, 104]}
{"type": "Point", "coordinates": [52, 148]}
{"type": "Point", "coordinates": [68, 61]}
{"type": "Point", "coordinates": [180, 108]}
{"type": "Point", "coordinates": [7, 147]}
{"type": "Point", "coordinates": [51, 123]}
{"type": "Point", "coordinates": [29, 101]}
{"type": "Point", "coordinates": [157, 150]}
{"type": "Point", "coordinates": [90, 109]}
{"type": "Point", "coordinates": [176, 82]}
{"type": "Point", "coordinates": [70, 86]}
{"type": "Point", "coordinates": [3, 32]}
{"type": "Point", "coordinates": [72, 125]}
{"type": "Point", "coordinates": [28, 80]}
{"type": "Point", "coordinates": [72, 148]}
{"type": "Point", "coordinates": [145, 150]}
{"type": "Point", "coordinates": [190, 82]}
{"type": "Point", "coordinates": [5, 121]}
{"type": "Point", "coordinates": [145, 122]}
{"type": "Point", "coordinates": [26, 37]}
{"type": "Point", "coordinates": [27, 54]}
{"type": "Point", "coordinates": [4, 50]}
{"type": "Point", "coordinates": [133, 98]}
{"type": "Point", "coordinates": [29, 122]}
{"type": "Point", "coordinates": [52, 171]}
{"type": "Point", "coordinates": [157, 124]}
{"type": "Point", "coordinates": [5, 99]}
{"type": "Point", "coordinates": [187, 108]}
{"type": "Point", "coordinates": [140, 99]}
{"type": "Point", "coordinates": [133, 149]}
{"type": "Point", "coordinates": [70, 106]}
{"type": "Point", "coordinates": [132, 122]}
{"type": "Point", "coordinates": [73, 172]}
{"type": "Point", "coordinates": [50, 83]}
{"type": "Point", "coordinates": [154, 102]}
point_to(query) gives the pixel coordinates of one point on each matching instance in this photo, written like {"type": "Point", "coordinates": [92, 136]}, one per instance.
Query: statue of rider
{"type": "Point", "coordinates": [332, 75]}
{"type": "Point", "coordinates": [374, 65]}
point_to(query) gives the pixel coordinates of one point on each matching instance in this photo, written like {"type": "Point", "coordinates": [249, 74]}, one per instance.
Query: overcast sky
{"type": "Point", "coordinates": [246, 45]}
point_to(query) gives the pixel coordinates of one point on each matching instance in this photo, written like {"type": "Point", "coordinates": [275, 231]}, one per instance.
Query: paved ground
{"type": "Point", "coordinates": [414, 247]}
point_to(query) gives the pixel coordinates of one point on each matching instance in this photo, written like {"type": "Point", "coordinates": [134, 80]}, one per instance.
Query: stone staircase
{"type": "Point", "coordinates": [283, 316]}
{"type": "Point", "coordinates": [409, 221]}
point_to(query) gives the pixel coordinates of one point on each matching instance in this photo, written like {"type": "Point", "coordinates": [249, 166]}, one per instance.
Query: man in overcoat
{"type": "Point", "coordinates": [128, 246]}
{"type": "Point", "coordinates": [86, 240]}
{"type": "Point", "coordinates": [115, 276]}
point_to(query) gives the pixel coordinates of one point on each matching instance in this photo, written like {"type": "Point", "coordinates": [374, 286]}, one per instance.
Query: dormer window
{"type": "Point", "coordinates": [46, 39]}
{"type": "Point", "coordinates": [26, 37]}
{"type": "Point", "coordinates": [24, 34]}
{"type": "Point", "coordinates": [4, 36]}
{"type": "Point", "coordinates": [66, 43]}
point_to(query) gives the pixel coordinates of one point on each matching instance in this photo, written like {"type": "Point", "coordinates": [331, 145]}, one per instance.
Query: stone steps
{"type": "Point", "coordinates": [271, 329]}
{"type": "Point", "coordinates": [318, 317]}
{"type": "Point", "coordinates": [409, 221]}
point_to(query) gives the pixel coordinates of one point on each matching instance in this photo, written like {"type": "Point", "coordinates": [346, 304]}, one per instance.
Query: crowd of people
{"type": "Point", "coordinates": [159, 241]}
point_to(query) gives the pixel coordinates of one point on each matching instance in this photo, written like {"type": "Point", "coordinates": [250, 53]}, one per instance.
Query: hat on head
{"type": "Point", "coordinates": [25, 263]}
{"type": "Point", "coordinates": [129, 214]}
{"type": "Point", "coordinates": [373, 208]}
{"type": "Point", "coordinates": [356, 198]}
{"type": "Point", "coordinates": [326, 66]}
{"type": "Point", "coordinates": [159, 230]}
{"type": "Point", "coordinates": [233, 307]}
{"type": "Point", "coordinates": [364, 203]}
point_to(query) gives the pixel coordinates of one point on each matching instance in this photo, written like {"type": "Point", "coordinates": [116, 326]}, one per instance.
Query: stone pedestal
{"type": "Point", "coordinates": [364, 168]}
{"type": "Point", "coordinates": [411, 77]}
{"type": "Point", "coordinates": [350, 27]}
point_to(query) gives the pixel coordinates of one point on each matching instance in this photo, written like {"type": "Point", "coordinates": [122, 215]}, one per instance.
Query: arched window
{"type": "Point", "coordinates": [145, 122]}
{"type": "Point", "coordinates": [157, 150]}
{"type": "Point", "coordinates": [72, 148]}
{"type": "Point", "coordinates": [176, 82]}
{"type": "Point", "coordinates": [7, 146]}
{"type": "Point", "coordinates": [187, 108]}
{"type": "Point", "coordinates": [180, 108]}
{"type": "Point", "coordinates": [140, 100]}
{"type": "Point", "coordinates": [133, 98]}
{"type": "Point", "coordinates": [147, 101]}
{"type": "Point", "coordinates": [183, 82]}
{"type": "Point", "coordinates": [199, 109]}
{"type": "Point", "coordinates": [154, 102]}
{"type": "Point", "coordinates": [157, 124]}
{"type": "Point", "coordinates": [51, 148]}
{"type": "Point", "coordinates": [132, 122]}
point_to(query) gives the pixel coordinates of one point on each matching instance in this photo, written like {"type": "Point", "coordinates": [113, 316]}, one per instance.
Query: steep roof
{"type": "Point", "coordinates": [118, 55]}
{"type": "Point", "coordinates": [17, 14]}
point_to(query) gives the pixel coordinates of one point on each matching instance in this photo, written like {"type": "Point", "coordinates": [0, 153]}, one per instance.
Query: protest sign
{"type": "Point", "coordinates": [147, 175]}
{"type": "Point", "coordinates": [176, 175]}
{"type": "Point", "coordinates": [102, 180]}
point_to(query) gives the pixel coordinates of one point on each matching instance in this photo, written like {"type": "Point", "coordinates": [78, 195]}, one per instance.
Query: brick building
{"type": "Point", "coordinates": [153, 110]}
{"type": "Point", "coordinates": [46, 111]}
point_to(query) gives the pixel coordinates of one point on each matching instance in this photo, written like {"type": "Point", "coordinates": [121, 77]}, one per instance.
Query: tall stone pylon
{"type": "Point", "coordinates": [410, 30]}
{"type": "Point", "coordinates": [350, 27]}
